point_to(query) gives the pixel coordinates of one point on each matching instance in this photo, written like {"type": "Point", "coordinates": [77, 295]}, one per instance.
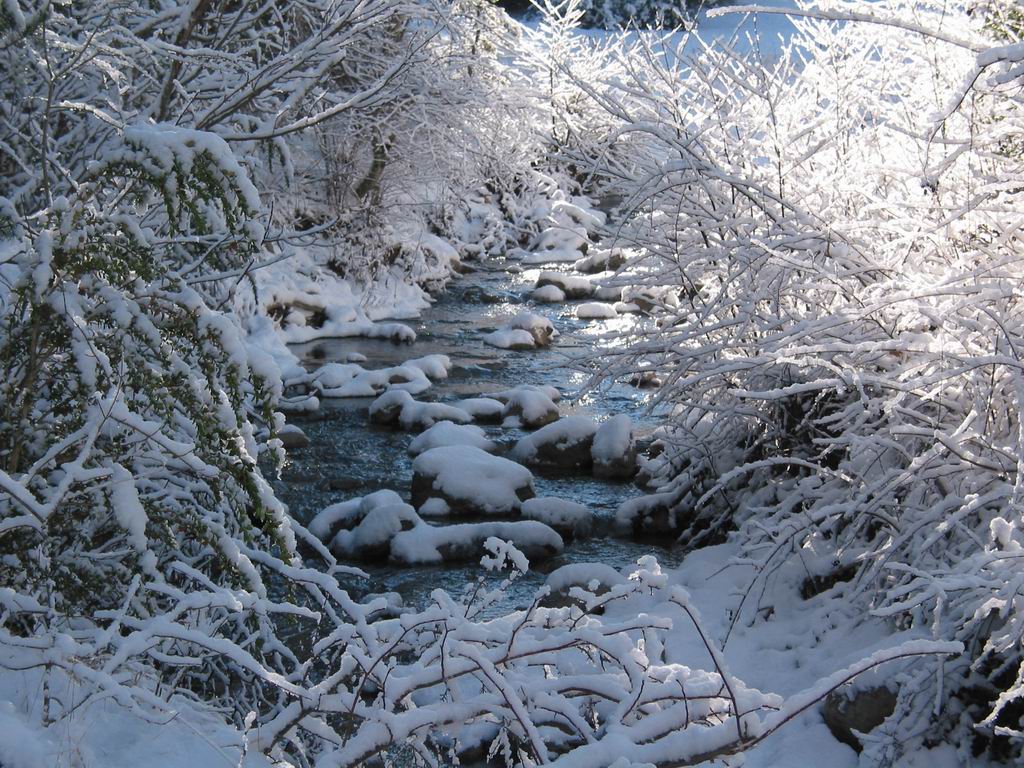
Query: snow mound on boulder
{"type": "Point", "coordinates": [538, 326]}
{"type": "Point", "coordinates": [548, 294]}
{"type": "Point", "coordinates": [573, 286]}
{"type": "Point", "coordinates": [566, 517]}
{"type": "Point", "coordinates": [381, 527]}
{"type": "Point", "coordinates": [529, 406]}
{"type": "Point", "coordinates": [470, 480]}
{"type": "Point", "coordinates": [510, 338]}
{"type": "Point", "coordinates": [352, 380]}
{"type": "Point", "coordinates": [448, 433]}
{"type": "Point", "coordinates": [347, 514]}
{"type": "Point", "coordinates": [564, 444]}
{"type": "Point", "coordinates": [465, 541]}
{"type": "Point", "coordinates": [589, 575]}
{"type": "Point", "coordinates": [485, 409]}
{"type": "Point", "coordinates": [603, 260]}
{"type": "Point", "coordinates": [397, 408]}
{"type": "Point", "coordinates": [595, 310]}
{"type": "Point", "coordinates": [371, 537]}
{"type": "Point", "coordinates": [524, 331]}
{"type": "Point", "coordinates": [654, 514]}
{"type": "Point", "coordinates": [614, 449]}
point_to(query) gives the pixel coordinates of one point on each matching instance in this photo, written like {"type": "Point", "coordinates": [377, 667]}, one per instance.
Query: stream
{"type": "Point", "coordinates": [349, 457]}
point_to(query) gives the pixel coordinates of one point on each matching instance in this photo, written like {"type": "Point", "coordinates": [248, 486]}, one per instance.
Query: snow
{"type": "Point", "coordinates": [595, 311]}
{"type": "Point", "coordinates": [528, 405]}
{"type": "Point", "coordinates": [635, 512]}
{"type": "Point", "coordinates": [445, 433]}
{"type": "Point", "coordinates": [548, 294]}
{"type": "Point", "coordinates": [510, 338]}
{"type": "Point", "coordinates": [352, 380]}
{"type": "Point", "coordinates": [292, 437]}
{"type": "Point", "coordinates": [465, 541]}
{"type": "Point", "coordinates": [489, 484]}
{"type": "Point", "coordinates": [524, 331]}
{"type": "Point", "coordinates": [560, 514]}
{"type": "Point", "coordinates": [396, 407]}
{"type": "Point", "coordinates": [613, 439]}
{"type": "Point", "coordinates": [559, 436]}
{"type": "Point", "coordinates": [538, 326]}
{"type": "Point", "coordinates": [20, 745]}
{"type": "Point", "coordinates": [481, 408]}
{"type": "Point", "coordinates": [382, 527]}
{"type": "Point", "coordinates": [601, 260]}
{"type": "Point", "coordinates": [573, 286]}
{"type": "Point", "coordinates": [558, 244]}
{"type": "Point", "coordinates": [104, 733]}
{"type": "Point", "coordinates": [345, 514]}
{"type": "Point", "coordinates": [837, 349]}
{"type": "Point", "coordinates": [373, 534]}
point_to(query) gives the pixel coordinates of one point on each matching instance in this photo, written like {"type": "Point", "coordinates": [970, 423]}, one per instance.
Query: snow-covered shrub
{"type": "Point", "coordinates": [842, 363]}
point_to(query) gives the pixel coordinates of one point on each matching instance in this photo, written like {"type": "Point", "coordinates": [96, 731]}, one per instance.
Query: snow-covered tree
{"type": "Point", "coordinates": [830, 242]}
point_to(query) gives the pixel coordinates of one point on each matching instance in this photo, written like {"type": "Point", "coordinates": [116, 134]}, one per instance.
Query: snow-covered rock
{"type": "Point", "coordinates": [612, 293]}
{"type": "Point", "coordinates": [538, 326]}
{"type": "Point", "coordinates": [347, 514]}
{"type": "Point", "coordinates": [564, 444]}
{"type": "Point", "coordinates": [436, 367]}
{"type": "Point", "coordinates": [558, 244]}
{"type": "Point", "coordinates": [524, 331]}
{"type": "Point", "coordinates": [580, 212]}
{"type": "Point", "coordinates": [510, 338]}
{"type": "Point", "coordinates": [548, 294]}
{"type": "Point", "coordinates": [448, 433]}
{"type": "Point", "coordinates": [595, 310]}
{"type": "Point", "coordinates": [603, 260]}
{"type": "Point", "coordinates": [589, 575]}
{"type": "Point", "coordinates": [645, 380]}
{"type": "Point", "coordinates": [371, 537]}
{"type": "Point", "coordinates": [528, 406]}
{"type": "Point", "coordinates": [382, 527]}
{"type": "Point", "coordinates": [397, 408]}
{"type": "Point", "coordinates": [292, 437]}
{"type": "Point", "coordinates": [470, 480]}
{"type": "Point", "coordinates": [649, 298]}
{"type": "Point", "coordinates": [654, 514]}
{"type": "Point", "coordinates": [465, 541]}
{"type": "Point", "coordinates": [352, 380]}
{"type": "Point", "coordinates": [595, 578]}
{"type": "Point", "coordinates": [483, 409]}
{"type": "Point", "coordinates": [574, 287]}
{"type": "Point", "coordinates": [569, 518]}
{"type": "Point", "coordinates": [850, 712]}
{"type": "Point", "coordinates": [614, 449]}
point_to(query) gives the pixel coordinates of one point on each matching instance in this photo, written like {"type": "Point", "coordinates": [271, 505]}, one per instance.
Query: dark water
{"type": "Point", "coordinates": [348, 457]}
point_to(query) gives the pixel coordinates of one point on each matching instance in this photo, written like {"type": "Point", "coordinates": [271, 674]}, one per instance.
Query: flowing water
{"type": "Point", "coordinates": [349, 457]}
